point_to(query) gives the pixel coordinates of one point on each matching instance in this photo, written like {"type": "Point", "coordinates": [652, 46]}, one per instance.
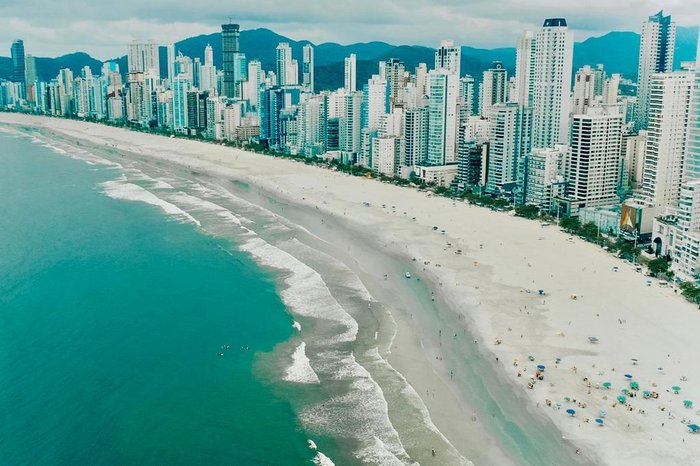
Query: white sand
{"type": "Point", "coordinates": [489, 284]}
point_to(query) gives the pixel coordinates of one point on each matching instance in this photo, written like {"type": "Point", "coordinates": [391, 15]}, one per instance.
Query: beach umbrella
{"type": "Point", "coordinates": [567, 399]}
{"type": "Point", "coordinates": [622, 399]}
{"type": "Point", "coordinates": [646, 393]}
{"type": "Point", "coordinates": [687, 403]}
{"type": "Point", "coordinates": [634, 385]}
{"type": "Point", "coordinates": [540, 367]}
{"type": "Point", "coordinates": [602, 413]}
{"type": "Point", "coordinates": [607, 385]}
{"type": "Point", "coordinates": [625, 391]}
{"type": "Point", "coordinates": [694, 428]}
{"type": "Point", "coordinates": [599, 421]}
{"type": "Point", "coordinates": [676, 389]}
{"type": "Point", "coordinates": [531, 357]}
{"type": "Point", "coordinates": [628, 376]}
{"type": "Point", "coordinates": [593, 339]}
{"type": "Point", "coordinates": [570, 412]}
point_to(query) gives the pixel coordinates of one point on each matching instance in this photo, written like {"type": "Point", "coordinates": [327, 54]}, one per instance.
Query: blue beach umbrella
{"type": "Point", "coordinates": [694, 428]}
{"type": "Point", "coordinates": [540, 367]}
{"type": "Point", "coordinates": [599, 421]}
{"type": "Point", "coordinates": [629, 376]}
{"type": "Point", "coordinates": [570, 412]}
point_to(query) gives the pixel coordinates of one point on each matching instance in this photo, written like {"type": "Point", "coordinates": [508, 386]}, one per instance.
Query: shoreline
{"type": "Point", "coordinates": [513, 258]}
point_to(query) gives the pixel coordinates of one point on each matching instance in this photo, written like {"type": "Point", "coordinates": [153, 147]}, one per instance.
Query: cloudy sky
{"type": "Point", "coordinates": [51, 27]}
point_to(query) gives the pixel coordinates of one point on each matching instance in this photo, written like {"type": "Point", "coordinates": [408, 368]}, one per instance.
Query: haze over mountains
{"type": "Point", "coordinates": [617, 51]}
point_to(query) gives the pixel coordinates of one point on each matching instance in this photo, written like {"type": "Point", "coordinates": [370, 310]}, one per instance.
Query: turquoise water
{"type": "Point", "coordinates": [112, 316]}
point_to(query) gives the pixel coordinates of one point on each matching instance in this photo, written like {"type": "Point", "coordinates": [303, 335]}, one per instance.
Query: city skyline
{"type": "Point", "coordinates": [103, 34]}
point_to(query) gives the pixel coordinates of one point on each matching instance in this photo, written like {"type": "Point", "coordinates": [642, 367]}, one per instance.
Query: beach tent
{"type": "Point", "coordinates": [570, 412]}
{"type": "Point", "coordinates": [687, 403]}
{"type": "Point", "coordinates": [607, 385]}
{"type": "Point", "coordinates": [694, 428]}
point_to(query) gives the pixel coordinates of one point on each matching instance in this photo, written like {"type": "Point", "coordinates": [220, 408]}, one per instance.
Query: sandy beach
{"type": "Point", "coordinates": [480, 274]}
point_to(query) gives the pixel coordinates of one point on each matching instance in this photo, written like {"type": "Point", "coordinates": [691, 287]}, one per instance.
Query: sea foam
{"type": "Point", "coordinates": [301, 371]}
{"type": "Point", "coordinates": [119, 189]}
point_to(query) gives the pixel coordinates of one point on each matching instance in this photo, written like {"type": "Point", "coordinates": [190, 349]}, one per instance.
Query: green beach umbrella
{"type": "Point", "coordinates": [625, 391]}
{"type": "Point", "coordinates": [634, 385]}
{"type": "Point", "coordinates": [622, 399]}
{"type": "Point", "coordinates": [567, 399]}
{"type": "Point", "coordinates": [646, 393]}
{"type": "Point", "coordinates": [607, 385]}
{"type": "Point", "coordinates": [676, 388]}
{"type": "Point", "coordinates": [687, 403]}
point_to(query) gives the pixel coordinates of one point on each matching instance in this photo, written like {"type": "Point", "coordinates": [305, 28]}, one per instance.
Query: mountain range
{"type": "Point", "coordinates": [617, 51]}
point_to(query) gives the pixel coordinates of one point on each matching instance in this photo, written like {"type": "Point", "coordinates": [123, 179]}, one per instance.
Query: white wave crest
{"type": "Point", "coordinates": [119, 189]}
{"type": "Point", "coordinates": [301, 371]}
{"type": "Point", "coordinates": [322, 460]}
{"type": "Point", "coordinates": [306, 293]}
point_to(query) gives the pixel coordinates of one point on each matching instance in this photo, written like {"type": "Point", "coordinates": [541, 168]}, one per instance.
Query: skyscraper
{"type": "Point", "coordinates": [351, 73]}
{"type": "Point", "coordinates": [447, 57]}
{"type": "Point", "coordinates": [509, 142]}
{"type": "Point", "coordinates": [443, 90]}
{"type": "Point", "coordinates": [551, 101]}
{"type": "Point", "coordinates": [594, 162]}
{"type": "Point", "coordinates": [284, 64]}
{"type": "Point", "coordinates": [669, 101]}
{"type": "Point", "coordinates": [143, 57]}
{"type": "Point", "coordinates": [493, 88]}
{"type": "Point", "coordinates": [658, 40]}
{"type": "Point", "coordinates": [171, 63]}
{"type": "Point", "coordinates": [524, 70]}
{"type": "Point", "coordinates": [308, 67]}
{"type": "Point", "coordinates": [229, 42]}
{"type": "Point", "coordinates": [585, 83]}
{"type": "Point", "coordinates": [18, 64]}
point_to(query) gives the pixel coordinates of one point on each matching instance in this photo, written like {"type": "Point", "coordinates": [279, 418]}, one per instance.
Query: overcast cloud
{"type": "Point", "coordinates": [103, 29]}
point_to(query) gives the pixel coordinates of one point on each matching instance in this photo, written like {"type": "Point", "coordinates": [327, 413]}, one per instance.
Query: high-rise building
{"type": "Point", "coordinates": [285, 65]}
{"type": "Point", "coordinates": [656, 48]}
{"type": "Point", "coordinates": [351, 73]}
{"type": "Point", "coordinates": [421, 80]}
{"type": "Point", "coordinates": [171, 63]}
{"type": "Point", "coordinates": [595, 158]}
{"type": "Point", "coordinates": [143, 57]}
{"type": "Point", "coordinates": [18, 61]}
{"type": "Point", "coordinates": [552, 84]}
{"type": "Point", "coordinates": [542, 176]}
{"type": "Point", "coordinates": [443, 91]}
{"type": "Point", "coordinates": [308, 67]}
{"type": "Point", "coordinates": [415, 127]}
{"type": "Point", "coordinates": [692, 150]}
{"type": "Point", "coordinates": [447, 57]}
{"type": "Point", "coordinates": [669, 101]}
{"type": "Point", "coordinates": [493, 88]}
{"type": "Point", "coordinates": [524, 70]}
{"type": "Point", "coordinates": [394, 71]}
{"type": "Point", "coordinates": [31, 78]}
{"type": "Point", "coordinates": [207, 72]}
{"type": "Point", "coordinates": [18, 64]}
{"type": "Point", "coordinates": [509, 142]}
{"type": "Point", "coordinates": [585, 84]}
{"type": "Point", "coordinates": [466, 98]}
{"type": "Point", "coordinates": [230, 34]}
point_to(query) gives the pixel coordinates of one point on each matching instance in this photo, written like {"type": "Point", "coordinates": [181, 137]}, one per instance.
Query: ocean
{"type": "Point", "coordinates": [113, 321]}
